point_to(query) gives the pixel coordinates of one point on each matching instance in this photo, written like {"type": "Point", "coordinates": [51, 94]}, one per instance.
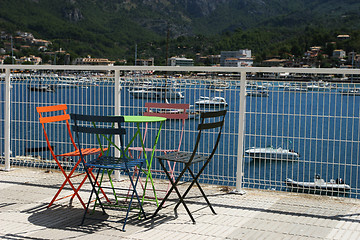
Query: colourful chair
{"type": "Point", "coordinates": [56, 114]}
{"type": "Point", "coordinates": [174, 111]}
{"type": "Point", "coordinates": [106, 129]}
{"type": "Point", "coordinates": [209, 123]}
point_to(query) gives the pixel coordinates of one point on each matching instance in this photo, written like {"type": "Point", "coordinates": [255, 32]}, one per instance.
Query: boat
{"type": "Point", "coordinates": [257, 93]}
{"type": "Point", "coordinates": [142, 93]}
{"type": "Point", "coordinates": [255, 86]}
{"type": "Point", "coordinates": [318, 86]}
{"type": "Point", "coordinates": [192, 114]}
{"type": "Point", "coordinates": [42, 88]}
{"type": "Point", "coordinates": [319, 184]}
{"type": "Point", "coordinates": [218, 85]}
{"type": "Point", "coordinates": [295, 89]}
{"type": "Point", "coordinates": [351, 91]}
{"type": "Point", "coordinates": [156, 93]}
{"type": "Point", "coordinates": [211, 102]}
{"type": "Point", "coordinates": [270, 153]}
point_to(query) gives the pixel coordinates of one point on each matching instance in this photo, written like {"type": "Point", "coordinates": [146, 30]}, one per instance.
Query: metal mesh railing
{"type": "Point", "coordinates": [294, 128]}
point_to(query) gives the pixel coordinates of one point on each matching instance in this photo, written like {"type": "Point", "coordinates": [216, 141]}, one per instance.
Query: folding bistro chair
{"type": "Point", "coordinates": [208, 120]}
{"type": "Point", "coordinates": [57, 115]}
{"type": "Point", "coordinates": [174, 111]}
{"type": "Point", "coordinates": [106, 129]}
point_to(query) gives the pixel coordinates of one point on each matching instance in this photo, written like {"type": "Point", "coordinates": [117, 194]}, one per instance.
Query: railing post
{"type": "Point", "coordinates": [117, 91]}
{"type": "Point", "coordinates": [240, 149]}
{"type": "Point", "coordinates": [7, 120]}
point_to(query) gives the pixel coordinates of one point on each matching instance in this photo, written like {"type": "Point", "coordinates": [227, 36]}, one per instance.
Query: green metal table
{"type": "Point", "coordinates": [145, 119]}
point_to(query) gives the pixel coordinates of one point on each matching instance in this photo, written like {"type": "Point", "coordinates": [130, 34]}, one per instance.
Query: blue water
{"type": "Point", "coordinates": [323, 127]}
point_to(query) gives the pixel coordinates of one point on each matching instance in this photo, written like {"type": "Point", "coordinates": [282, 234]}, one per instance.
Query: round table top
{"type": "Point", "coordinates": [138, 119]}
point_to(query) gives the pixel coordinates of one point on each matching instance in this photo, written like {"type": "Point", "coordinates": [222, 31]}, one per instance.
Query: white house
{"type": "Point", "coordinates": [176, 61]}
{"type": "Point", "coordinates": [241, 58]}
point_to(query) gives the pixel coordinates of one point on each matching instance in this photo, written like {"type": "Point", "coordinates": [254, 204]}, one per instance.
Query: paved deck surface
{"type": "Point", "coordinates": [25, 193]}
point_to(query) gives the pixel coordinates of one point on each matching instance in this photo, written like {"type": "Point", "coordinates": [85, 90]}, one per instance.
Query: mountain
{"type": "Point", "coordinates": [111, 28]}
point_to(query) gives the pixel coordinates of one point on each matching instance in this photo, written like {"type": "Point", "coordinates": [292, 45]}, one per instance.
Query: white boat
{"type": "Point", "coordinates": [257, 93]}
{"type": "Point", "coordinates": [295, 89]}
{"type": "Point", "coordinates": [318, 86]}
{"type": "Point", "coordinates": [156, 93]}
{"type": "Point", "coordinates": [272, 153]}
{"type": "Point", "coordinates": [219, 85]}
{"type": "Point", "coordinates": [211, 102]}
{"type": "Point", "coordinates": [167, 93]}
{"type": "Point", "coordinates": [141, 93]}
{"type": "Point", "coordinates": [319, 184]}
{"type": "Point", "coordinates": [42, 88]}
{"type": "Point", "coordinates": [351, 91]}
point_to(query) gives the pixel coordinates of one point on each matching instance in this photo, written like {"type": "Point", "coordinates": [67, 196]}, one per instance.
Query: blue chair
{"type": "Point", "coordinates": [106, 129]}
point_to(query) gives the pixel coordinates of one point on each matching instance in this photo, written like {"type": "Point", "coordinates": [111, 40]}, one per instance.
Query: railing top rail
{"type": "Point", "coordinates": [184, 69]}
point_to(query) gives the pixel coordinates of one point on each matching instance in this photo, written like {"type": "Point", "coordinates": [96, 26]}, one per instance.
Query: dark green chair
{"type": "Point", "coordinates": [106, 129]}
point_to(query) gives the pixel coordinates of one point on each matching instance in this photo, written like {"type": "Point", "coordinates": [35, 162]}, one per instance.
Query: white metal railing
{"type": "Point", "coordinates": [322, 126]}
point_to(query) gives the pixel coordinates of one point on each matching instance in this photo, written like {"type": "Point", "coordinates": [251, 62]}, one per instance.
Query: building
{"type": "Point", "coordinates": [274, 62]}
{"type": "Point", "coordinates": [32, 59]}
{"type": "Point", "coordinates": [145, 62]}
{"type": "Point", "coordinates": [177, 61]}
{"type": "Point", "coordinates": [343, 36]}
{"type": "Point", "coordinates": [93, 61]}
{"type": "Point", "coordinates": [241, 58]}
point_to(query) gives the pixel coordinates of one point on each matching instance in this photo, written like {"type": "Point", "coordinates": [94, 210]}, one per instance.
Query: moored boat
{"type": "Point", "coordinates": [211, 102]}
{"type": "Point", "coordinates": [351, 91]}
{"type": "Point", "coordinates": [257, 93]}
{"type": "Point", "coordinates": [337, 185]}
{"type": "Point", "coordinates": [271, 153]}
{"type": "Point", "coordinates": [42, 88]}
{"type": "Point", "coordinates": [156, 93]}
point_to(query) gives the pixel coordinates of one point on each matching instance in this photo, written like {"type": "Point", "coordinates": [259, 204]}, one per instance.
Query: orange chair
{"type": "Point", "coordinates": [171, 111]}
{"type": "Point", "coordinates": [57, 113]}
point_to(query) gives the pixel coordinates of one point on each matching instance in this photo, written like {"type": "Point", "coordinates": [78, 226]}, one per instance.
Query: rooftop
{"type": "Point", "coordinates": [25, 193]}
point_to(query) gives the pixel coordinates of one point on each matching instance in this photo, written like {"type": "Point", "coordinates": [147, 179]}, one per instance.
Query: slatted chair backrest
{"type": "Point", "coordinates": [170, 111]}
{"type": "Point", "coordinates": [210, 120]}
{"type": "Point", "coordinates": [106, 127]}
{"type": "Point", "coordinates": [52, 114]}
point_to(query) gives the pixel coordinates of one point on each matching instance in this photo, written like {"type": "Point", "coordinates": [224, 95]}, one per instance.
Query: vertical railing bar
{"type": "Point", "coordinates": [240, 150]}
{"type": "Point", "coordinates": [117, 93]}
{"type": "Point", "coordinates": [7, 120]}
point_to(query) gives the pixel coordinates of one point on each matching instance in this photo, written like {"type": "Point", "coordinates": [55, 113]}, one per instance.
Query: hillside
{"type": "Point", "coordinates": [111, 28]}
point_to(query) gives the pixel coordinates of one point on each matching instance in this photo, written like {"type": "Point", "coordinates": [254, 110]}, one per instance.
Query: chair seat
{"type": "Point", "coordinates": [183, 157]}
{"type": "Point", "coordinates": [85, 151]}
{"type": "Point", "coordinates": [110, 162]}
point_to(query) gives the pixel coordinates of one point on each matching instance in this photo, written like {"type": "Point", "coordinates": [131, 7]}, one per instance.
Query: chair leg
{"type": "Point", "coordinates": [134, 192]}
{"type": "Point", "coordinates": [174, 187]}
{"type": "Point", "coordinates": [67, 180]}
{"type": "Point", "coordinates": [172, 169]}
{"type": "Point", "coordinates": [201, 190]}
{"type": "Point", "coordinates": [93, 190]}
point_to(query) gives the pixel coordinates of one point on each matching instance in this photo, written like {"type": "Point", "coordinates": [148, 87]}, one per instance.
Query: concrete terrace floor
{"type": "Point", "coordinates": [25, 193]}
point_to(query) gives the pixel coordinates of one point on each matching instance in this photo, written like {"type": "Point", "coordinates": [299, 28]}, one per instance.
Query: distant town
{"type": "Point", "coordinates": [24, 48]}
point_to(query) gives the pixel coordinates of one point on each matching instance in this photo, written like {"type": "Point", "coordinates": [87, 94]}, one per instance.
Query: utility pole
{"type": "Point", "coordinates": [12, 51]}
{"type": "Point", "coordinates": [135, 53]}
{"type": "Point", "coordinates": [167, 45]}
